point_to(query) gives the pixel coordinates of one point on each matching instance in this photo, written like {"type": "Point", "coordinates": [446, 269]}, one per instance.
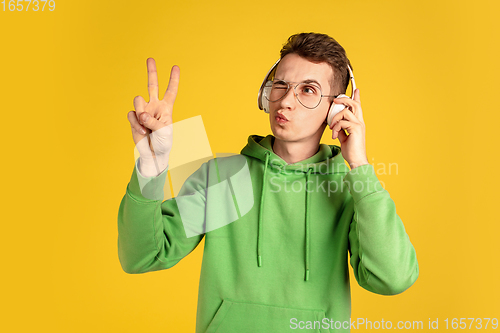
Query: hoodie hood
{"type": "Point", "coordinates": [327, 160]}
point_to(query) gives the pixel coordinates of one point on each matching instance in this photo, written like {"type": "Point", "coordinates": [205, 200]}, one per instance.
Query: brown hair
{"type": "Point", "coordinates": [321, 48]}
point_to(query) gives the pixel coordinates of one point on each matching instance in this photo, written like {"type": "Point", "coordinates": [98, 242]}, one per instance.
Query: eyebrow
{"type": "Point", "coordinates": [312, 81]}
{"type": "Point", "coordinates": [305, 81]}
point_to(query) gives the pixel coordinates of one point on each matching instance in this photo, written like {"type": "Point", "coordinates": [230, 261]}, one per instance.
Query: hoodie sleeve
{"type": "Point", "coordinates": [151, 234]}
{"type": "Point", "coordinates": [382, 256]}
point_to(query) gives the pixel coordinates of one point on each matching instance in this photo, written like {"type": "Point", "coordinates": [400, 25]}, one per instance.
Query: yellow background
{"type": "Point", "coordinates": [428, 75]}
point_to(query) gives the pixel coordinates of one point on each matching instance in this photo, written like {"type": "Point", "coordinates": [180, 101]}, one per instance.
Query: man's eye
{"type": "Point", "coordinates": [280, 85]}
{"type": "Point", "coordinates": [309, 90]}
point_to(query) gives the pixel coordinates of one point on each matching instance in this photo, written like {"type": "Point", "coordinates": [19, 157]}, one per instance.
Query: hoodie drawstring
{"type": "Point", "coordinates": [308, 236]}
{"type": "Point", "coordinates": [260, 230]}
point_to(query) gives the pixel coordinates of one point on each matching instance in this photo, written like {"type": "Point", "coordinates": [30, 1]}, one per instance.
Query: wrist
{"type": "Point", "coordinates": [154, 157]}
{"type": "Point", "coordinates": [152, 166]}
{"type": "Point", "coordinates": [353, 165]}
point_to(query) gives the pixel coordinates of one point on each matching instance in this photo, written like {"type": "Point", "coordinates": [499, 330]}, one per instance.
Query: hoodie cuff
{"type": "Point", "coordinates": [362, 181]}
{"type": "Point", "coordinates": [146, 188]}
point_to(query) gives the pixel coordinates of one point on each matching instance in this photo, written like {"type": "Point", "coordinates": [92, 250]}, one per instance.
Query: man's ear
{"type": "Point", "coordinates": [326, 117]}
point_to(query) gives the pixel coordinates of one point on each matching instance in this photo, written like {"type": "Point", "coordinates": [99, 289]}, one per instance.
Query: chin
{"type": "Point", "coordinates": [281, 132]}
{"type": "Point", "coordinates": [285, 134]}
{"type": "Point", "coordinates": [292, 135]}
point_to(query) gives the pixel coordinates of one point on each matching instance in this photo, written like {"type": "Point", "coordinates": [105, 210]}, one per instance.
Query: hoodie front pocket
{"type": "Point", "coordinates": [243, 317]}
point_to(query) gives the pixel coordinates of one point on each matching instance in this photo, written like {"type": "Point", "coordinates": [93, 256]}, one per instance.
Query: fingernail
{"type": "Point", "coordinates": [145, 118]}
{"type": "Point", "coordinates": [142, 131]}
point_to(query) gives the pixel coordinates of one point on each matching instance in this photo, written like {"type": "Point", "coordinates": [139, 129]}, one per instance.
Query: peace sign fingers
{"type": "Point", "coordinates": [173, 84]}
{"type": "Point", "coordinates": [152, 80]}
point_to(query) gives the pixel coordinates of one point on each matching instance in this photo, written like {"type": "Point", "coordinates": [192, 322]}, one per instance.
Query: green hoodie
{"type": "Point", "coordinates": [277, 238]}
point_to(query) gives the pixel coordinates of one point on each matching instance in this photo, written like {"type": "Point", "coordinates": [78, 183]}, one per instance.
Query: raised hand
{"type": "Point", "coordinates": [351, 120]}
{"type": "Point", "coordinates": [151, 122]}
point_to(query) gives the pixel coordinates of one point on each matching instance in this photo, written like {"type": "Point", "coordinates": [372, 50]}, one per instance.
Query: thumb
{"type": "Point", "coordinates": [150, 122]}
{"type": "Point", "coordinates": [356, 95]}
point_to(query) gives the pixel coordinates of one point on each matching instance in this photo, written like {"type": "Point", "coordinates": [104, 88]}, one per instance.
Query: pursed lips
{"type": "Point", "coordinates": [281, 117]}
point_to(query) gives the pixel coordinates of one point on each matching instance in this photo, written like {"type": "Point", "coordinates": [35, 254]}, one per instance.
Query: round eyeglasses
{"type": "Point", "coordinates": [308, 93]}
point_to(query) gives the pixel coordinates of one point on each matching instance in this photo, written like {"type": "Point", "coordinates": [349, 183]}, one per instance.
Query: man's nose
{"type": "Point", "coordinates": [288, 101]}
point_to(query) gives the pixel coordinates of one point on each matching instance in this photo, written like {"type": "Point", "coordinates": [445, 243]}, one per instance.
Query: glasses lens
{"type": "Point", "coordinates": [309, 95]}
{"type": "Point", "coordinates": [278, 90]}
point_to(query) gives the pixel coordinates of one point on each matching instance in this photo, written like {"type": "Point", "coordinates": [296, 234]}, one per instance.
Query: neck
{"type": "Point", "coordinates": [296, 151]}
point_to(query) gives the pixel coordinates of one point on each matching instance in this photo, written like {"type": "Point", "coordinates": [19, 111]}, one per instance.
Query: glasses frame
{"type": "Point", "coordinates": [272, 71]}
{"type": "Point", "coordinates": [289, 84]}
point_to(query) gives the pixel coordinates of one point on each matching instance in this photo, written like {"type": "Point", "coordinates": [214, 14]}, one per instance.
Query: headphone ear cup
{"type": "Point", "coordinates": [265, 105]}
{"type": "Point", "coordinates": [265, 93]}
{"type": "Point", "coordinates": [334, 109]}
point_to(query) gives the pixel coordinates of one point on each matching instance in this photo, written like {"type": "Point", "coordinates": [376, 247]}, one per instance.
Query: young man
{"type": "Point", "coordinates": [276, 242]}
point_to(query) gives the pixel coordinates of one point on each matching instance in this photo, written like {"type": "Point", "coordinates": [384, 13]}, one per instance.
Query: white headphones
{"type": "Point", "coordinates": [265, 90]}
